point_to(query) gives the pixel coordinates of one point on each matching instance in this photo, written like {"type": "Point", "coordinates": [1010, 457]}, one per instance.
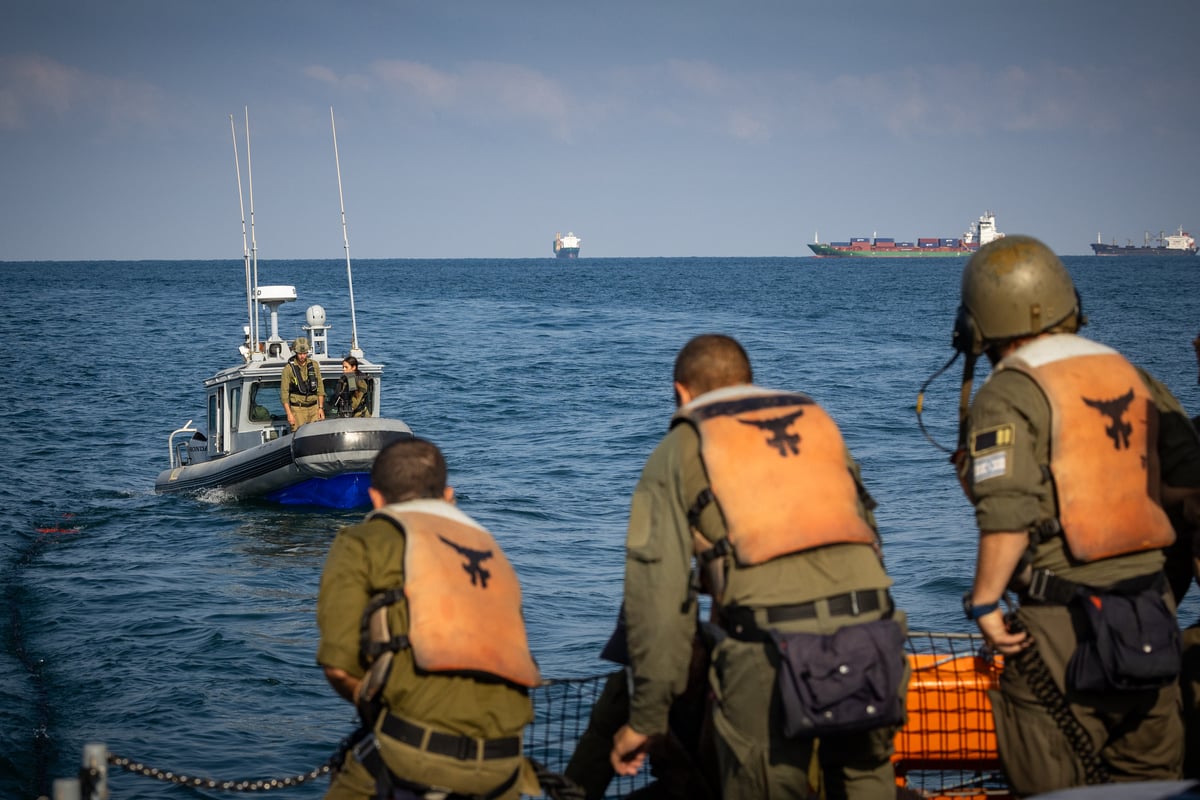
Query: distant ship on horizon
{"type": "Point", "coordinates": [980, 233]}
{"type": "Point", "coordinates": [566, 246]}
{"type": "Point", "coordinates": [1176, 244]}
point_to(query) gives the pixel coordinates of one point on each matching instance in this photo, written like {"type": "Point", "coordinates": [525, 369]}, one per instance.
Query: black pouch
{"type": "Point", "coordinates": [1132, 643]}
{"type": "Point", "coordinates": [841, 683]}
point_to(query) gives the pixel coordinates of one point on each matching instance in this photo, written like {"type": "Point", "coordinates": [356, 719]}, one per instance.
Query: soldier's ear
{"type": "Point", "coordinates": [377, 498]}
{"type": "Point", "coordinates": [448, 494]}
{"type": "Point", "coordinates": [683, 395]}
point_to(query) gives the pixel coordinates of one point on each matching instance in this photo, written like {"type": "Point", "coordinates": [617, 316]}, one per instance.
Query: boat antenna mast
{"type": "Point", "coordinates": [354, 348]}
{"type": "Point", "coordinates": [251, 346]}
{"type": "Point", "coordinates": [253, 241]}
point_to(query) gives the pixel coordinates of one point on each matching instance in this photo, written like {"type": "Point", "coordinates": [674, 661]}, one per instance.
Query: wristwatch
{"type": "Point", "coordinates": [973, 611]}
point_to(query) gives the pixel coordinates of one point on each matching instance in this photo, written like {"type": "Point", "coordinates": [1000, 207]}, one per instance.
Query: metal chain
{"type": "Point", "coordinates": [263, 785]}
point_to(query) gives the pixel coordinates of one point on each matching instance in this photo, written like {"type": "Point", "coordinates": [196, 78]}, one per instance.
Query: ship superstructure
{"type": "Point", "coordinates": [566, 246]}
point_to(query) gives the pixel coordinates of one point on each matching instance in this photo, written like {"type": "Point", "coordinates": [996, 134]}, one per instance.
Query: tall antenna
{"type": "Point", "coordinates": [245, 250]}
{"type": "Point", "coordinates": [253, 241]}
{"type": "Point", "coordinates": [354, 349]}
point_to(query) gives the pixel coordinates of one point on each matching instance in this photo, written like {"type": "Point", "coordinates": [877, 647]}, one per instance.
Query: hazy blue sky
{"type": "Point", "coordinates": [479, 128]}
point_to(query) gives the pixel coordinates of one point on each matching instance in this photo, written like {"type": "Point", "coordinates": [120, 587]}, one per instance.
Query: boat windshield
{"type": "Point", "coordinates": [265, 404]}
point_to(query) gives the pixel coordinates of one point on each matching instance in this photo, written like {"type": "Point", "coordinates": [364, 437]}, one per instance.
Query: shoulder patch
{"type": "Point", "coordinates": [993, 465]}
{"type": "Point", "coordinates": [992, 439]}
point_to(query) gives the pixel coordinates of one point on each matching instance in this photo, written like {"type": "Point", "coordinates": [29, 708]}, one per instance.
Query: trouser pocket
{"type": "Point", "coordinates": [742, 761]}
{"type": "Point", "coordinates": [1035, 753]}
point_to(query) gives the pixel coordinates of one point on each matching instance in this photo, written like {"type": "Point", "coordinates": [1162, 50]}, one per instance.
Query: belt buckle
{"type": "Point", "coordinates": [363, 750]}
{"type": "Point", "coordinates": [1039, 580]}
{"type": "Point", "coordinates": [468, 749]}
{"type": "Point", "coordinates": [854, 609]}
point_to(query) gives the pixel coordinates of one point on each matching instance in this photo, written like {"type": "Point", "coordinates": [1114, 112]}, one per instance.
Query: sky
{"type": "Point", "coordinates": [479, 129]}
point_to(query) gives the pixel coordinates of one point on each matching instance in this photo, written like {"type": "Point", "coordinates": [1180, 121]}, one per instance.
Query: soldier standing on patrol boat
{"type": "Point", "coordinates": [301, 388]}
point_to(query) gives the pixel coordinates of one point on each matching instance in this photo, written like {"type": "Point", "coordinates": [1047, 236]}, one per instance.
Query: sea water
{"type": "Point", "coordinates": [180, 631]}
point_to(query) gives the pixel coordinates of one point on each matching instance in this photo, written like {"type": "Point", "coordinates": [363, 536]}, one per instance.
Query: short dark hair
{"type": "Point", "coordinates": [409, 469]}
{"type": "Point", "coordinates": [712, 361]}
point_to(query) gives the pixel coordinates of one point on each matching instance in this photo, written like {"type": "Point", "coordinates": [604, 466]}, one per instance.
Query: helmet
{"type": "Point", "coordinates": [300, 345]}
{"type": "Point", "coordinates": [1013, 287]}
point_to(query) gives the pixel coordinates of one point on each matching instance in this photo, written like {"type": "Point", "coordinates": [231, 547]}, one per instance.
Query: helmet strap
{"type": "Point", "coordinates": [964, 398]}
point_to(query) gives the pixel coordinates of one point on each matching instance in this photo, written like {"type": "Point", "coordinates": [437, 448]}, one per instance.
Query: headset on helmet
{"type": "Point", "coordinates": [1015, 286]}
{"type": "Point", "coordinates": [1011, 287]}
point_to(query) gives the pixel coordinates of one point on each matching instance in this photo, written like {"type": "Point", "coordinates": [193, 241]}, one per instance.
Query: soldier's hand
{"type": "Point", "coordinates": [629, 751]}
{"type": "Point", "coordinates": [998, 635]}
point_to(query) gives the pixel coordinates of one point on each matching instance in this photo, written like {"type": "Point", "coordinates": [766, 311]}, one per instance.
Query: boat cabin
{"type": "Point", "coordinates": [244, 406]}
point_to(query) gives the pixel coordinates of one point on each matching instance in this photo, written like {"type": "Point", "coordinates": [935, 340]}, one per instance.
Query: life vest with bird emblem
{"type": "Point", "coordinates": [463, 596]}
{"type": "Point", "coordinates": [777, 468]}
{"type": "Point", "coordinates": [1103, 446]}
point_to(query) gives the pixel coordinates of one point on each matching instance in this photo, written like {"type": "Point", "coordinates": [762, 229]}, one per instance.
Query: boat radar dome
{"type": "Point", "coordinates": [316, 327]}
{"type": "Point", "coordinates": [275, 294]}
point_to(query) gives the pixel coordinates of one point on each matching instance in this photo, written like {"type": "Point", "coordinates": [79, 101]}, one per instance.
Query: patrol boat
{"type": "Point", "coordinates": [248, 449]}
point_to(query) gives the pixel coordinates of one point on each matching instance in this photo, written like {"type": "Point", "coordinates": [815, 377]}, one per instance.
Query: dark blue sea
{"type": "Point", "coordinates": [180, 631]}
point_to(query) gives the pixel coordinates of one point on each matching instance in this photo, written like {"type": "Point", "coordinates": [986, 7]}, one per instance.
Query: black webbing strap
{"type": "Point", "coordinates": [1046, 587]}
{"type": "Point", "coordinates": [369, 650]}
{"type": "Point", "coordinates": [702, 501]}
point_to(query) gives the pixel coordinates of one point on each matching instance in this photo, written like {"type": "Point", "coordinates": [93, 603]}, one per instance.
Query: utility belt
{"type": "Point", "coordinates": [301, 403]}
{"type": "Point", "coordinates": [462, 748]}
{"type": "Point", "coordinates": [740, 621]}
{"type": "Point", "coordinates": [834, 684]}
{"type": "Point", "coordinates": [1128, 636]}
{"type": "Point", "coordinates": [1046, 588]}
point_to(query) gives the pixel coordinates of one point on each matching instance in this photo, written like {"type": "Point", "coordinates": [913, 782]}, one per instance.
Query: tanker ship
{"type": "Point", "coordinates": [566, 246]}
{"type": "Point", "coordinates": [982, 231]}
{"type": "Point", "coordinates": [1176, 244]}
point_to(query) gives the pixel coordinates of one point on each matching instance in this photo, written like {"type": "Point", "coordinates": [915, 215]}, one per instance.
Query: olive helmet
{"type": "Point", "coordinates": [1014, 286]}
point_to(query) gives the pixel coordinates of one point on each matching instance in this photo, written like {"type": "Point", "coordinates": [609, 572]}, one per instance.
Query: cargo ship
{"type": "Point", "coordinates": [982, 231]}
{"type": "Point", "coordinates": [1176, 244]}
{"type": "Point", "coordinates": [566, 246]}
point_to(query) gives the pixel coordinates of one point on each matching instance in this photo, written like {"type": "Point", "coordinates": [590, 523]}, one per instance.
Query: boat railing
{"type": "Point", "coordinates": [945, 751]}
{"type": "Point", "coordinates": [947, 748]}
{"type": "Point", "coordinates": [177, 460]}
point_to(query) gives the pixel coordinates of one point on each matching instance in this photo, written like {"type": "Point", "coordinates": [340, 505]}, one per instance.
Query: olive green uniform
{"type": "Point", "coordinates": [304, 407]}
{"type": "Point", "coordinates": [1138, 735]}
{"type": "Point", "coordinates": [369, 558]}
{"type": "Point", "coordinates": [1179, 454]}
{"type": "Point", "coordinates": [353, 403]}
{"type": "Point", "coordinates": [755, 758]}
{"type": "Point", "coordinates": [1179, 465]}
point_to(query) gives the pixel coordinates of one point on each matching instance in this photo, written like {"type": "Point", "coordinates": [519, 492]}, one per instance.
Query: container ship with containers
{"type": "Point", "coordinates": [566, 246]}
{"type": "Point", "coordinates": [980, 233]}
{"type": "Point", "coordinates": [1176, 244]}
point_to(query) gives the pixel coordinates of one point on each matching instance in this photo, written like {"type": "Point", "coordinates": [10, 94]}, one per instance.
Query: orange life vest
{"type": "Point", "coordinates": [464, 600]}
{"type": "Point", "coordinates": [776, 464]}
{"type": "Point", "coordinates": [1103, 454]}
